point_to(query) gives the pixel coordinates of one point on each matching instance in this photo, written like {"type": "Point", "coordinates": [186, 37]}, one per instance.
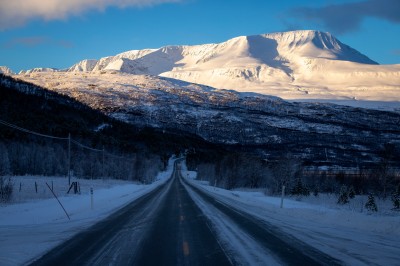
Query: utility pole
{"type": "Point", "coordinates": [283, 195]}
{"type": "Point", "coordinates": [69, 159]}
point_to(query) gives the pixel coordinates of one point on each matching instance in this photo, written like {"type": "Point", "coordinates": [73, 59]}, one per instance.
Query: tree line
{"type": "Point", "coordinates": [132, 153]}
{"type": "Point", "coordinates": [237, 169]}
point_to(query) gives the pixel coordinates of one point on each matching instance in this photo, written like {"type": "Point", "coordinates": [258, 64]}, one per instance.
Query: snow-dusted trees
{"type": "Point", "coordinates": [230, 170]}
{"type": "Point", "coordinates": [4, 161]}
{"type": "Point", "coordinates": [284, 173]}
{"type": "Point", "coordinates": [6, 187]}
{"type": "Point", "coordinates": [37, 159]}
{"type": "Point", "coordinates": [206, 171]}
{"type": "Point", "coordinates": [384, 174]}
{"type": "Point", "coordinates": [50, 159]}
{"type": "Point", "coordinates": [396, 198]}
{"type": "Point", "coordinates": [146, 167]}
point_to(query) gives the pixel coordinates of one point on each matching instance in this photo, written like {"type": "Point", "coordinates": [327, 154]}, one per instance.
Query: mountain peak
{"type": "Point", "coordinates": [316, 44]}
{"type": "Point", "coordinates": [305, 64]}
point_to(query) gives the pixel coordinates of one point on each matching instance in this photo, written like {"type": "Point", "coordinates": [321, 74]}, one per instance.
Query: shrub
{"type": "Point", "coordinates": [352, 193]}
{"type": "Point", "coordinates": [316, 191]}
{"type": "Point", "coordinates": [396, 200]}
{"type": "Point", "coordinates": [343, 195]}
{"type": "Point", "coordinates": [300, 189]}
{"type": "Point", "coordinates": [6, 189]}
{"type": "Point", "coordinates": [371, 205]}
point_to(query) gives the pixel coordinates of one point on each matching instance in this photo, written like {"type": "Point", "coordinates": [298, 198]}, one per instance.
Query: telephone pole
{"type": "Point", "coordinates": [69, 159]}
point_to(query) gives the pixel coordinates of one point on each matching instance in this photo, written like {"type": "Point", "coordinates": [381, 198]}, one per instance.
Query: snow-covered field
{"type": "Point", "coordinates": [346, 232]}
{"type": "Point", "coordinates": [35, 222]}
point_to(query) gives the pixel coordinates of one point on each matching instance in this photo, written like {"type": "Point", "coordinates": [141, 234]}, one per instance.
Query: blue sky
{"type": "Point", "coordinates": [59, 33]}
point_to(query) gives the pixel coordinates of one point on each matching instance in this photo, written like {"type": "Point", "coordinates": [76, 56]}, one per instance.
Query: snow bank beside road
{"type": "Point", "coordinates": [347, 235]}
{"type": "Point", "coordinates": [29, 229]}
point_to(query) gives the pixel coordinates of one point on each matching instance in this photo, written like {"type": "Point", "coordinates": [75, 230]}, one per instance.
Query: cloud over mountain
{"type": "Point", "coordinates": [343, 18]}
{"type": "Point", "coordinates": [17, 12]}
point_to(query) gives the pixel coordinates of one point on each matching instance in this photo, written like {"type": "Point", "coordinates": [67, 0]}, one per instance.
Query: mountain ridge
{"type": "Point", "coordinates": [329, 47]}
{"type": "Point", "coordinates": [297, 65]}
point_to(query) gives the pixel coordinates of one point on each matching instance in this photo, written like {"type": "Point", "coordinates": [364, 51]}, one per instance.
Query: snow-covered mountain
{"type": "Point", "coordinates": [164, 88]}
{"type": "Point", "coordinates": [38, 70]}
{"type": "Point", "coordinates": [6, 70]}
{"type": "Point", "coordinates": [296, 65]}
{"type": "Point", "coordinates": [83, 66]}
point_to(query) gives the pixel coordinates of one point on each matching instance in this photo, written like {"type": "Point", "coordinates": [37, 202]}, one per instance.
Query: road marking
{"type": "Point", "coordinates": [186, 248]}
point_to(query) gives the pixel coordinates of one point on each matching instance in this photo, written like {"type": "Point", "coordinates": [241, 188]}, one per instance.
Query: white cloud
{"type": "Point", "coordinates": [17, 12]}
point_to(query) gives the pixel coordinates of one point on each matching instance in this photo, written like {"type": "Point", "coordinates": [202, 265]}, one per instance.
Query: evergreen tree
{"type": "Point", "coordinates": [371, 205]}
{"type": "Point", "coordinates": [316, 191]}
{"type": "Point", "coordinates": [6, 189]}
{"type": "Point", "coordinates": [352, 193]}
{"type": "Point", "coordinates": [396, 199]}
{"type": "Point", "coordinates": [300, 189]}
{"type": "Point", "coordinates": [4, 161]}
{"type": "Point", "coordinates": [343, 195]}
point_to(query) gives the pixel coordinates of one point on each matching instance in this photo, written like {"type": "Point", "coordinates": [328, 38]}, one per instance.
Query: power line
{"type": "Point", "coordinates": [116, 156]}
{"type": "Point", "coordinates": [85, 147]}
{"type": "Point", "coordinates": [29, 131]}
{"type": "Point", "coordinates": [60, 138]}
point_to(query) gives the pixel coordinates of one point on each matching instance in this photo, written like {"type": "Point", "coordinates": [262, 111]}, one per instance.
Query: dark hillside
{"type": "Point", "coordinates": [46, 112]}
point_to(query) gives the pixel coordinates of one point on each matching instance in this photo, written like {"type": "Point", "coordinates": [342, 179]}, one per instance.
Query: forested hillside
{"type": "Point", "coordinates": [129, 152]}
{"type": "Point", "coordinates": [104, 147]}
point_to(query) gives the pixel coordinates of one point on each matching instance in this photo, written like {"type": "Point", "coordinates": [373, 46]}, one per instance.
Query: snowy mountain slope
{"type": "Point", "coordinates": [296, 65]}
{"type": "Point", "coordinates": [84, 65]}
{"type": "Point", "coordinates": [229, 117]}
{"type": "Point", "coordinates": [38, 69]}
{"type": "Point", "coordinates": [6, 70]}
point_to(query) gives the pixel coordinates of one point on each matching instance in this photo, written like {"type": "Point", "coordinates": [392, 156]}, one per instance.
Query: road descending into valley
{"type": "Point", "coordinates": [179, 224]}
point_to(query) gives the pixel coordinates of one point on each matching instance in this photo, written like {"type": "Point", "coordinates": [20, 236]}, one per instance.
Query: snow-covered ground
{"type": "Point", "coordinates": [35, 222]}
{"type": "Point", "coordinates": [346, 232]}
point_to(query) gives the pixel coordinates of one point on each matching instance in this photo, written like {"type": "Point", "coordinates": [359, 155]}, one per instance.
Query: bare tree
{"type": "Point", "coordinates": [283, 172]}
{"type": "Point", "coordinates": [386, 178]}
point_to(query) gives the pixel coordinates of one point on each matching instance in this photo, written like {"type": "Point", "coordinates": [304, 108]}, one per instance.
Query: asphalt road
{"type": "Point", "coordinates": [180, 234]}
{"type": "Point", "coordinates": [286, 249]}
{"type": "Point", "coordinates": [166, 227]}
